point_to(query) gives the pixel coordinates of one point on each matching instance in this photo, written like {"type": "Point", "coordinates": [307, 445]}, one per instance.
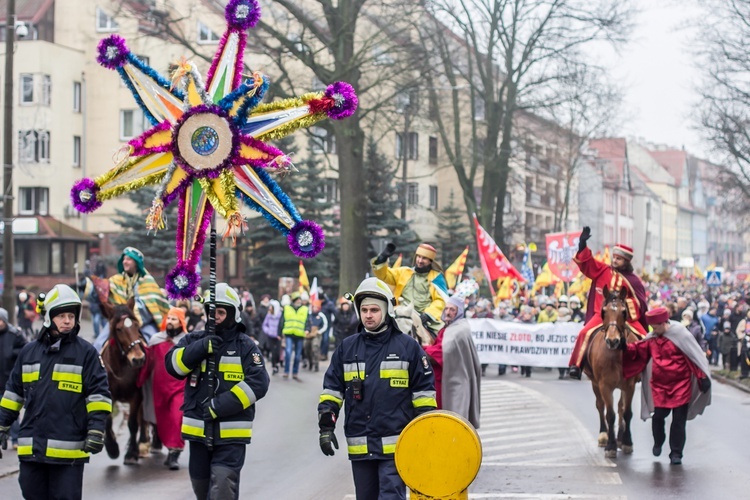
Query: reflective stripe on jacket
{"type": "Point", "coordinates": [397, 386]}
{"type": "Point", "coordinates": [242, 380]}
{"type": "Point", "coordinates": [65, 394]}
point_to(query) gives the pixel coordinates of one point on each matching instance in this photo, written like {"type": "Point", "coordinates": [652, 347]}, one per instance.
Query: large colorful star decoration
{"type": "Point", "coordinates": [209, 146]}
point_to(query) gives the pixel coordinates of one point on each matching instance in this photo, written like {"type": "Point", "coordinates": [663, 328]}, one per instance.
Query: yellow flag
{"type": "Point", "coordinates": [398, 261]}
{"type": "Point", "coordinates": [606, 258]}
{"type": "Point", "coordinates": [303, 281]}
{"type": "Point", "coordinates": [559, 289]}
{"type": "Point", "coordinates": [545, 278]}
{"type": "Point", "coordinates": [711, 266]}
{"type": "Point", "coordinates": [504, 289]}
{"type": "Point", "coordinates": [697, 272]}
{"type": "Point", "coordinates": [456, 269]}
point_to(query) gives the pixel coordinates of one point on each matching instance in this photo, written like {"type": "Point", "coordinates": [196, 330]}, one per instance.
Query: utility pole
{"type": "Point", "coordinates": [9, 299]}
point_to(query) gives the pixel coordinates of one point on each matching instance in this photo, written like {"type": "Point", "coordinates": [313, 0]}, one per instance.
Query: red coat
{"type": "Point", "coordinates": [168, 392]}
{"type": "Point", "coordinates": [603, 275]}
{"type": "Point", "coordinates": [671, 370]}
{"type": "Point", "coordinates": [435, 351]}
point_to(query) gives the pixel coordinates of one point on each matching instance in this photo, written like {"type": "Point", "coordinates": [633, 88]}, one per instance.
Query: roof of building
{"type": "Point", "coordinates": [46, 227]}
{"type": "Point", "coordinates": [646, 167]}
{"type": "Point", "coordinates": [614, 153]}
{"type": "Point", "coordinates": [26, 10]}
{"type": "Point", "coordinates": [674, 160]}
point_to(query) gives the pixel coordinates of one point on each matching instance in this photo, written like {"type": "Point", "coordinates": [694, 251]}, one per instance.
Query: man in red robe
{"type": "Point", "coordinates": [679, 380]}
{"type": "Point", "coordinates": [168, 392]}
{"type": "Point", "coordinates": [619, 274]}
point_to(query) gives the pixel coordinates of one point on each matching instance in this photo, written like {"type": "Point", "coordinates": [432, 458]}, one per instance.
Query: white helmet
{"type": "Point", "coordinates": [575, 300]}
{"type": "Point", "coordinates": [60, 296]}
{"type": "Point", "coordinates": [373, 287]}
{"type": "Point", "coordinates": [228, 296]}
{"type": "Point", "coordinates": [563, 298]}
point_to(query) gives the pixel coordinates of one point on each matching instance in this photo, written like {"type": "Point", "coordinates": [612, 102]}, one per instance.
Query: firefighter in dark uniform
{"type": "Point", "coordinates": [219, 423]}
{"type": "Point", "coordinates": [61, 382]}
{"type": "Point", "coordinates": [384, 379]}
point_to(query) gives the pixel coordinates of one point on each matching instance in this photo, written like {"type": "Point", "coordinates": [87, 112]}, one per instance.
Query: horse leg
{"type": "Point", "coordinates": [131, 457]}
{"type": "Point", "coordinates": [602, 439]}
{"type": "Point", "coordinates": [620, 419]}
{"type": "Point", "coordinates": [627, 396]}
{"type": "Point", "coordinates": [610, 450]}
{"type": "Point", "coordinates": [110, 440]}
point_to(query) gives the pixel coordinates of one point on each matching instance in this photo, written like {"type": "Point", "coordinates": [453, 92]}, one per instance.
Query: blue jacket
{"type": "Point", "coordinates": [398, 385]}
{"type": "Point", "coordinates": [242, 380]}
{"type": "Point", "coordinates": [65, 392]}
{"type": "Point", "coordinates": [709, 323]}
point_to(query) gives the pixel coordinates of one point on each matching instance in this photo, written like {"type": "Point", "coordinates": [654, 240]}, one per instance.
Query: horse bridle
{"type": "Point", "coordinates": [139, 341]}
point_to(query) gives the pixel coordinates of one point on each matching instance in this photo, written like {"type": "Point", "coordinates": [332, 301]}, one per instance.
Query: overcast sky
{"type": "Point", "coordinates": [659, 76]}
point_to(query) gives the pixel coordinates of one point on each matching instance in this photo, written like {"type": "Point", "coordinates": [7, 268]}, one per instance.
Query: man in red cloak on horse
{"type": "Point", "coordinates": [619, 274]}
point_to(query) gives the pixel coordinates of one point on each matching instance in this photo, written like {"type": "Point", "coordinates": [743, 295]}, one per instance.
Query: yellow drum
{"type": "Point", "coordinates": [438, 455]}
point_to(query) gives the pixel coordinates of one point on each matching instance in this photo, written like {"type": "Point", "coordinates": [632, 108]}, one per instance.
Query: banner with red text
{"type": "Point", "coordinates": [524, 344]}
{"type": "Point", "coordinates": [561, 248]}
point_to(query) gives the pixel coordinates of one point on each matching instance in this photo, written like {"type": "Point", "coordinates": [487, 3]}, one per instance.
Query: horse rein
{"type": "Point", "coordinates": [137, 342]}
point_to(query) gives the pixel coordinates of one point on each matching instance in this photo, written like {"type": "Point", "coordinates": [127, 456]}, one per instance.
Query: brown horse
{"type": "Point", "coordinates": [604, 368]}
{"type": "Point", "coordinates": [123, 356]}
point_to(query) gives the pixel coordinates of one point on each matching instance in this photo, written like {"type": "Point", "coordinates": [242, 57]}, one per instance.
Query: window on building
{"type": "Point", "coordinates": [76, 151]}
{"type": "Point", "coordinates": [132, 123]}
{"type": "Point", "coordinates": [76, 97]}
{"type": "Point", "coordinates": [433, 150]}
{"type": "Point", "coordinates": [479, 109]}
{"type": "Point", "coordinates": [609, 202]}
{"type": "Point", "coordinates": [529, 188]}
{"type": "Point", "coordinates": [413, 145]}
{"type": "Point", "coordinates": [33, 146]}
{"type": "Point", "coordinates": [33, 201]}
{"type": "Point", "coordinates": [104, 22]}
{"type": "Point", "coordinates": [412, 193]}
{"type": "Point", "coordinates": [407, 100]}
{"type": "Point", "coordinates": [381, 56]}
{"type": "Point", "coordinates": [27, 89]}
{"type": "Point", "coordinates": [433, 197]}
{"type": "Point", "coordinates": [46, 90]}
{"type": "Point", "coordinates": [321, 141]}
{"type": "Point", "coordinates": [205, 35]}
{"type": "Point", "coordinates": [27, 148]}
{"type": "Point", "coordinates": [330, 191]}
{"type": "Point", "coordinates": [318, 84]}
{"type": "Point", "coordinates": [609, 234]}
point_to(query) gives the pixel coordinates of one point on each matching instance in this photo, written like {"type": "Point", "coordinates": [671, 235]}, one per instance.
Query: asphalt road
{"type": "Point", "coordinates": [538, 437]}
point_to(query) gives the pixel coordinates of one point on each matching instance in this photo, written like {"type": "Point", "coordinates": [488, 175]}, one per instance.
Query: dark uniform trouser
{"type": "Point", "coordinates": [377, 480]}
{"type": "Point", "coordinates": [215, 473]}
{"type": "Point", "coordinates": [50, 481]}
{"type": "Point", "coordinates": [676, 430]}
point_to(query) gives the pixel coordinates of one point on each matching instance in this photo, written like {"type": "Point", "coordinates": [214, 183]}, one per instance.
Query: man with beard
{"type": "Point", "coordinates": [455, 360]}
{"type": "Point", "coordinates": [61, 383]}
{"type": "Point", "coordinates": [167, 391]}
{"type": "Point", "coordinates": [219, 407]}
{"type": "Point", "coordinates": [619, 274]}
{"type": "Point", "coordinates": [423, 285]}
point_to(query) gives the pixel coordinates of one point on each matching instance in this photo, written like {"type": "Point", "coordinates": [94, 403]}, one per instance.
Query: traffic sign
{"type": "Point", "coordinates": [713, 278]}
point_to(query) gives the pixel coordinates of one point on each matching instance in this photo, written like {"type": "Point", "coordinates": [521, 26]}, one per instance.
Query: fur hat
{"type": "Point", "coordinates": [623, 251]}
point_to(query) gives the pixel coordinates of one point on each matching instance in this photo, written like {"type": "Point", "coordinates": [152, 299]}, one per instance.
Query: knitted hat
{"type": "Point", "coordinates": [623, 251]}
{"type": "Point", "coordinates": [458, 302]}
{"type": "Point", "coordinates": [134, 254]}
{"type": "Point", "coordinates": [657, 316]}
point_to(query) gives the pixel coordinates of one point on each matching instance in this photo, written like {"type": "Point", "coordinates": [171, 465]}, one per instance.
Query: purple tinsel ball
{"type": "Point", "coordinates": [346, 100]}
{"type": "Point", "coordinates": [83, 196]}
{"type": "Point", "coordinates": [242, 14]}
{"type": "Point", "coordinates": [306, 239]}
{"type": "Point", "coordinates": [182, 281]}
{"type": "Point", "coordinates": [112, 52]}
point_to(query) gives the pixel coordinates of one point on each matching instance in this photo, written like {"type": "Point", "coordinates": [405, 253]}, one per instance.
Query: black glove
{"type": "Point", "coordinates": [585, 235]}
{"type": "Point", "coordinates": [4, 430]}
{"type": "Point", "coordinates": [326, 421]}
{"type": "Point", "coordinates": [704, 384]}
{"type": "Point", "coordinates": [94, 442]}
{"type": "Point", "coordinates": [389, 249]}
{"type": "Point", "coordinates": [425, 318]}
{"type": "Point", "coordinates": [208, 413]}
{"type": "Point", "coordinates": [327, 439]}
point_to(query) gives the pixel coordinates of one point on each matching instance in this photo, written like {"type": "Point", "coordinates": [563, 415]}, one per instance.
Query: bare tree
{"type": "Point", "coordinates": [511, 54]}
{"type": "Point", "coordinates": [725, 95]}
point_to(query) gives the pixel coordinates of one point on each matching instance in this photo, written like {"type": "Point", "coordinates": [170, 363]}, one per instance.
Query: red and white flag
{"type": "Point", "coordinates": [314, 295]}
{"type": "Point", "coordinates": [494, 263]}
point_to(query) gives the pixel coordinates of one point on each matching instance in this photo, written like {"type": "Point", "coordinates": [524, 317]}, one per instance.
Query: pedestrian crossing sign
{"type": "Point", "coordinates": [713, 278]}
